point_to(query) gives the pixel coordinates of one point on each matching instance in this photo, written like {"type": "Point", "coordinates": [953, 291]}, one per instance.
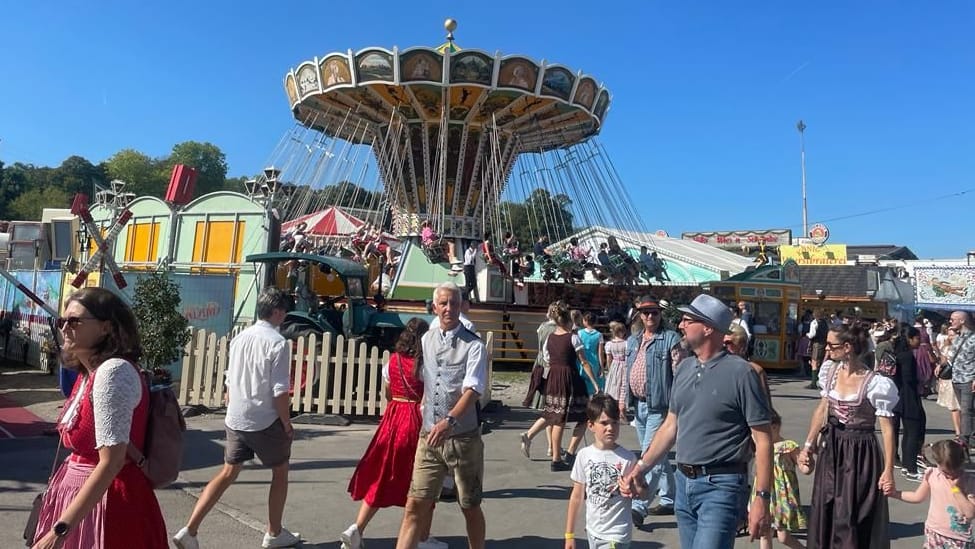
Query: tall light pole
{"type": "Point", "coordinates": [802, 156]}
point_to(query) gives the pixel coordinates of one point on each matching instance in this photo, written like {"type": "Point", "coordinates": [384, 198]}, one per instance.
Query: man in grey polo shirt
{"type": "Point", "coordinates": [454, 377]}
{"type": "Point", "coordinates": [717, 407]}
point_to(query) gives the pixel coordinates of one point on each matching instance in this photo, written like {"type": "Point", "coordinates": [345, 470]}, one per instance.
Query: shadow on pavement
{"type": "Point", "coordinates": [539, 492]}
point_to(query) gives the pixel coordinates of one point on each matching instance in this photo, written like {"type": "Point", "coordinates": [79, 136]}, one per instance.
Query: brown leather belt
{"type": "Point", "coordinates": [694, 471]}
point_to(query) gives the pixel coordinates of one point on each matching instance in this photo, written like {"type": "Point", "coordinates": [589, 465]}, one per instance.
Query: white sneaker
{"type": "Point", "coordinates": [184, 540]}
{"type": "Point", "coordinates": [283, 539]}
{"type": "Point", "coordinates": [351, 538]}
{"type": "Point", "coordinates": [432, 543]}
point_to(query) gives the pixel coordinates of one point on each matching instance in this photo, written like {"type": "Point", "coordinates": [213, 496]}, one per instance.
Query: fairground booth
{"type": "Point", "coordinates": [773, 293]}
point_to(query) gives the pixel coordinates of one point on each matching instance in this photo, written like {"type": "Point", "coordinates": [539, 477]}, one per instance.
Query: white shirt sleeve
{"type": "Point", "coordinates": [386, 368]}
{"type": "Point", "coordinates": [813, 326]}
{"type": "Point", "coordinates": [577, 342]}
{"type": "Point", "coordinates": [280, 368]}
{"type": "Point", "coordinates": [825, 371]}
{"type": "Point", "coordinates": [476, 374]}
{"type": "Point", "coordinates": [882, 393]}
{"type": "Point", "coordinates": [115, 394]}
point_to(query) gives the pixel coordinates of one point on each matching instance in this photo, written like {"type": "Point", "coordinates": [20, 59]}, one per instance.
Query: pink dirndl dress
{"type": "Point", "coordinates": [129, 504]}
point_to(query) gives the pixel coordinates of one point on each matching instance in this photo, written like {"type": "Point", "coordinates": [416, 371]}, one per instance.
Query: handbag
{"type": "Point", "coordinates": [946, 370]}
{"type": "Point", "coordinates": [35, 510]}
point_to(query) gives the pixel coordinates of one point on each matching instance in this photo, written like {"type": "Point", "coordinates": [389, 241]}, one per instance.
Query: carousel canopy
{"type": "Point", "coordinates": [331, 221]}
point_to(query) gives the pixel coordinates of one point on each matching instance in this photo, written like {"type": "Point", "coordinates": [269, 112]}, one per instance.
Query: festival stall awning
{"type": "Point", "coordinates": [332, 221]}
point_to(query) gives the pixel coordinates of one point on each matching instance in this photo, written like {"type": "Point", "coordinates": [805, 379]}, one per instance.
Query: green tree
{"type": "Point", "coordinates": [141, 173]}
{"type": "Point", "coordinates": [207, 159]}
{"type": "Point", "coordinates": [541, 213]}
{"type": "Point", "coordinates": [29, 204]}
{"type": "Point", "coordinates": [163, 329]}
{"type": "Point", "coordinates": [78, 175]}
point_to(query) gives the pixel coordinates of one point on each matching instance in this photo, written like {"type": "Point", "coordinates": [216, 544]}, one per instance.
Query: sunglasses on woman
{"type": "Point", "coordinates": [71, 321]}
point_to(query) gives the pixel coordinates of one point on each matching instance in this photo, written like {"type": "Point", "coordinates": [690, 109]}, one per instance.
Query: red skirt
{"type": "Point", "coordinates": [388, 461]}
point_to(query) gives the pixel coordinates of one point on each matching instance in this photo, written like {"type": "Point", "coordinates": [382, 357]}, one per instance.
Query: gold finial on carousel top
{"type": "Point", "coordinates": [451, 26]}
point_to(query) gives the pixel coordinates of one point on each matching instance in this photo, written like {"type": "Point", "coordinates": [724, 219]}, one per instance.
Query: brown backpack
{"type": "Point", "coordinates": [162, 455]}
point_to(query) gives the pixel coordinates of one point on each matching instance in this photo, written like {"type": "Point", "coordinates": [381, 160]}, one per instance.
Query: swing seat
{"type": "Point", "coordinates": [436, 251]}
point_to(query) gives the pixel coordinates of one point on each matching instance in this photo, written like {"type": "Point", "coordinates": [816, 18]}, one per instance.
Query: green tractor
{"type": "Point", "coordinates": [330, 297]}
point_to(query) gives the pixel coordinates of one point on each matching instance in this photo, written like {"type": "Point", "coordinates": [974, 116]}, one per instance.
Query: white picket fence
{"type": "Point", "coordinates": [347, 371]}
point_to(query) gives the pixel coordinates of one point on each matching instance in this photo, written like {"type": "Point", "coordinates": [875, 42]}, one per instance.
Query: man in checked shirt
{"type": "Point", "coordinates": [651, 357]}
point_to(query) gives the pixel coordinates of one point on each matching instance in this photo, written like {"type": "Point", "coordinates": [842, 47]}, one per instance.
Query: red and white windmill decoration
{"type": "Point", "coordinates": [103, 254]}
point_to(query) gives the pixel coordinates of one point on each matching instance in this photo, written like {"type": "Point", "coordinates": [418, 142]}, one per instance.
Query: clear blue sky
{"type": "Point", "coordinates": [706, 95]}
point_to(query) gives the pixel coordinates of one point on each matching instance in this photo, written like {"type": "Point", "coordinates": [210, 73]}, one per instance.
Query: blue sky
{"type": "Point", "coordinates": [706, 95]}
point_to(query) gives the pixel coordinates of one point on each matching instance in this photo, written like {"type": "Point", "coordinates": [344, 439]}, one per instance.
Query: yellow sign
{"type": "Point", "coordinates": [829, 254]}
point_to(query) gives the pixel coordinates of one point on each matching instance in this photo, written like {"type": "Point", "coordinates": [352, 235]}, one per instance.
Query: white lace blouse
{"type": "Point", "coordinates": [116, 393]}
{"type": "Point", "coordinates": [881, 391]}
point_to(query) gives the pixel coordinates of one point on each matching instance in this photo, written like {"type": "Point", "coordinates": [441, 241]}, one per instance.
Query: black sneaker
{"type": "Point", "coordinates": [660, 510]}
{"type": "Point", "coordinates": [558, 466]}
{"type": "Point", "coordinates": [569, 458]}
{"type": "Point", "coordinates": [637, 518]}
{"type": "Point", "coordinates": [812, 385]}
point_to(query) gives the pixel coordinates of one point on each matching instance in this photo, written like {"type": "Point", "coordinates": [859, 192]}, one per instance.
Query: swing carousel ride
{"type": "Point", "coordinates": [444, 141]}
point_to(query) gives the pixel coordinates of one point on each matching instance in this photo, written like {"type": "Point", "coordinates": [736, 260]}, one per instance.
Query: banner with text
{"type": "Point", "coordinates": [828, 254]}
{"type": "Point", "coordinates": [207, 300]}
{"type": "Point", "coordinates": [737, 239]}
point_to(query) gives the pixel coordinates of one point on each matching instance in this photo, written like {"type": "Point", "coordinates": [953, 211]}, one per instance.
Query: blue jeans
{"type": "Point", "coordinates": [708, 509]}
{"type": "Point", "coordinates": [661, 476]}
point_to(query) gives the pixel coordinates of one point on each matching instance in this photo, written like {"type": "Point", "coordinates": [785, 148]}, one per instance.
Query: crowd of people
{"type": "Point", "coordinates": [692, 387]}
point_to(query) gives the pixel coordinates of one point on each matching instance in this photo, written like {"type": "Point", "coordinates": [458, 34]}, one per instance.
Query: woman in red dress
{"type": "Point", "coordinates": [383, 475]}
{"type": "Point", "coordinates": [107, 410]}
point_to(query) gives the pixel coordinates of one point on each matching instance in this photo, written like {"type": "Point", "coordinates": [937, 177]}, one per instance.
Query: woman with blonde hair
{"type": "Point", "coordinates": [566, 397]}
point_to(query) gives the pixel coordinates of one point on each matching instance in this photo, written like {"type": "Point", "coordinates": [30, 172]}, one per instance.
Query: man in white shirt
{"type": "Point", "coordinates": [258, 420]}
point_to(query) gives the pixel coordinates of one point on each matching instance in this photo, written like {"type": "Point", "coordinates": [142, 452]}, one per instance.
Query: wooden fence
{"type": "Point", "coordinates": [329, 375]}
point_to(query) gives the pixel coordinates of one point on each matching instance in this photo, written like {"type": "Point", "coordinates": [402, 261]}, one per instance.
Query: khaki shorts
{"type": "Point", "coordinates": [271, 445]}
{"type": "Point", "coordinates": [464, 454]}
{"type": "Point", "coordinates": [818, 352]}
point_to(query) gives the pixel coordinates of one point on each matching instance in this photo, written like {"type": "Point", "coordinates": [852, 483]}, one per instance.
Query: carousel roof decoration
{"type": "Point", "coordinates": [449, 134]}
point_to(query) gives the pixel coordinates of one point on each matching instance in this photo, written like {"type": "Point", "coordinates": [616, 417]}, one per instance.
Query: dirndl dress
{"type": "Point", "coordinates": [566, 397]}
{"type": "Point", "coordinates": [848, 509]}
{"type": "Point", "coordinates": [382, 477]}
{"type": "Point", "coordinates": [128, 515]}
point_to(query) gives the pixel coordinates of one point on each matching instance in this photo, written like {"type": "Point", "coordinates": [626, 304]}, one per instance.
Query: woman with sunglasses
{"type": "Point", "coordinates": [849, 508]}
{"type": "Point", "coordinates": [98, 498]}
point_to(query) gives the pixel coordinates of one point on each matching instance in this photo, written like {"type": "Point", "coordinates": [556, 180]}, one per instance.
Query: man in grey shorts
{"type": "Point", "coordinates": [258, 419]}
{"type": "Point", "coordinates": [717, 408]}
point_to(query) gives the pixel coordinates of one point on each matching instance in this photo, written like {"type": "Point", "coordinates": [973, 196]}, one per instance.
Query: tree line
{"type": "Point", "coordinates": [26, 189]}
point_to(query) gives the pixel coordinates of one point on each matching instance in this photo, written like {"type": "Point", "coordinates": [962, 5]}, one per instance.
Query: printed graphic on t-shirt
{"type": "Point", "coordinates": [602, 481]}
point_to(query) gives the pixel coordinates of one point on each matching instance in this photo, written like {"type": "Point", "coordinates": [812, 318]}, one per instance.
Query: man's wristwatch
{"type": "Point", "coordinates": [61, 529]}
{"type": "Point", "coordinates": [451, 421]}
{"type": "Point", "coordinates": [764, 494]}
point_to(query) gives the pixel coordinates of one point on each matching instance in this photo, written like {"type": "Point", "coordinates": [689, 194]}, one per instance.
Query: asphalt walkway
{"type": "Point", "coordinates": [525, 504]}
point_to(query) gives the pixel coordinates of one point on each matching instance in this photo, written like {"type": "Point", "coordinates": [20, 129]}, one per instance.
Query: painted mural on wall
{"type": "Point", "coordinates": [945, 285]}
{"type": "Point", "coordinates": [46, 284]}
{"type": "Point", "coordinates": [207, 300]}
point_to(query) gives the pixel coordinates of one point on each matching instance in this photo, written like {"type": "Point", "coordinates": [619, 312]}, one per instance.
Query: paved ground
{"type": "Point", "coordinates": [525, 503]}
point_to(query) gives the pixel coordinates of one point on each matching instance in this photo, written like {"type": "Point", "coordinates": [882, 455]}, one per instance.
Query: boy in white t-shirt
{"type": "Point", "coordinates": [599, 470]}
